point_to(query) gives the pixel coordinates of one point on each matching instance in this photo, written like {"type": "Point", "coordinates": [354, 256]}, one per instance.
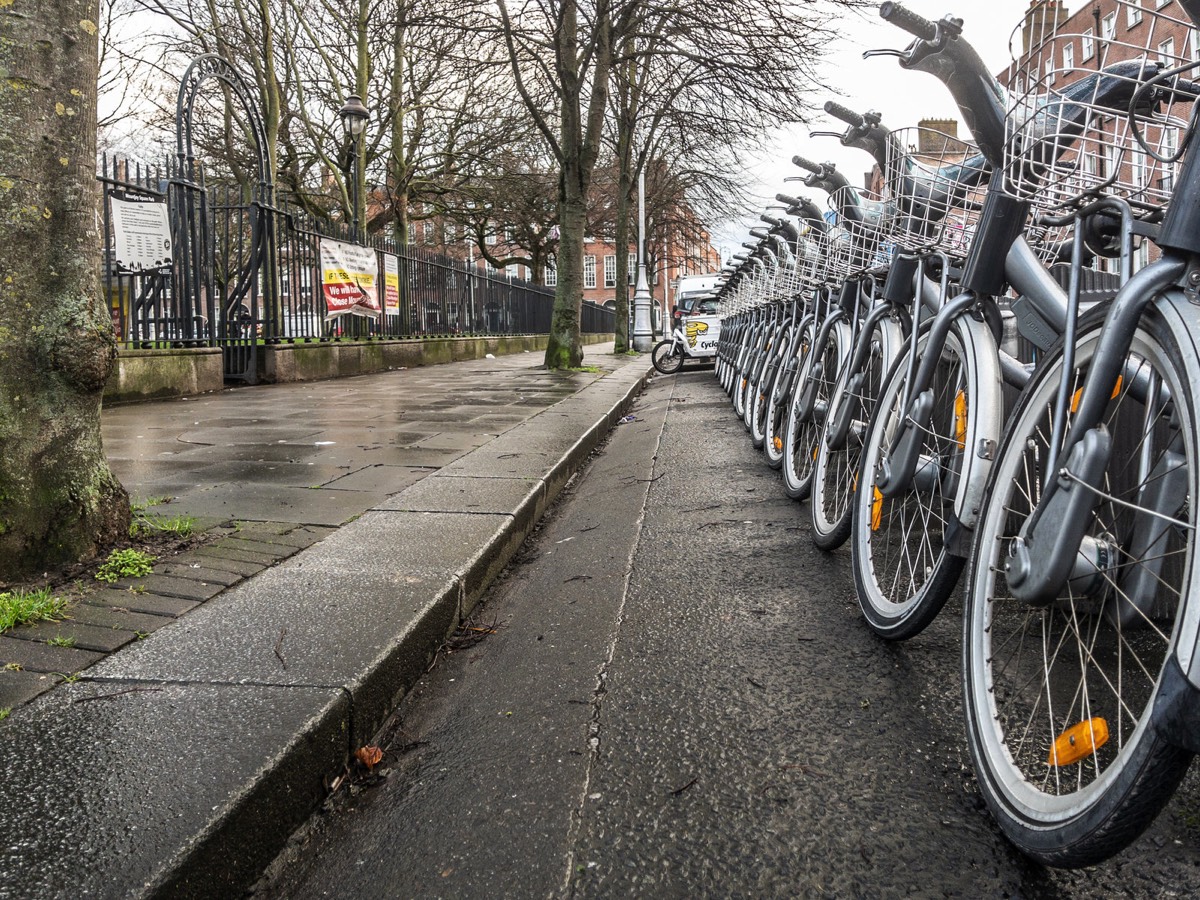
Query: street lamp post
{"type": "Point", "coordinates": [643, 329]}
{"type": "Point", "coordinates": [354, 117]}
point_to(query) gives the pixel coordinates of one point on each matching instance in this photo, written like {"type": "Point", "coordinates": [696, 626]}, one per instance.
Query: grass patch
{"type": "Point", "coordinates": [27, 607]}
{"type": "Point", "coordinates": [137, 507]}
{"type": "Point", "coordinates": [180, 526]}
{"type": "Point", "coordinates": [61, 641]}
{"type": "Point", "coordinates": [5, 713]}
{"type": "Point", "coordinates": [594, 370]}
{"type": "Point", "coordinates": [127, 563]}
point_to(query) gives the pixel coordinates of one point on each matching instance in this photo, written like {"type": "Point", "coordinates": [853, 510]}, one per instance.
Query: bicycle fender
{"type": "Point", "coordinates": [1183, 319]}
{"type": "Point", "coordinates": [985, 417]}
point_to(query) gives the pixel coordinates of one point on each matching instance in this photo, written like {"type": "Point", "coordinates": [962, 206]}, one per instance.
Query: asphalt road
{"type": "Point", "coordinates": [672, 694]}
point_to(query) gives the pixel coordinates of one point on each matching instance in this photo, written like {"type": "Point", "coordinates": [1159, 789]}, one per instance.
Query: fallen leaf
{"type": "Point", "coordinates": [369, 756]}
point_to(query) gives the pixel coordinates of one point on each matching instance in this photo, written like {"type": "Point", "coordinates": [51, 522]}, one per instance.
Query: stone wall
{"type": "Point", "coordinates": [158, 374]}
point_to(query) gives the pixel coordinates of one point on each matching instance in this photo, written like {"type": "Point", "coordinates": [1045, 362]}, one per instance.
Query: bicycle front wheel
{"type": "Point", "coordinates": [902, 572]}
{"type": "Point", "coordinates": [667, 357]}
{"type": "Point", "coordinates": [835, 478]}
{"type": "Point", "coordinates": [1058, 697]}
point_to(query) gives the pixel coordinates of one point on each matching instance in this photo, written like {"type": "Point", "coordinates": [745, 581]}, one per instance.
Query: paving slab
{"type": "Point", "coordinates": [278, 503]}
{"type": "Point", "coordinates": [144, 788]}
{"type": "Point", "coordinates": [109, 617]}
{"type": "Point", "coordinates": [379, 478]}
{"type": "Point", "coordinates": [140, 601]}
{"type": "Point", "coordinates": [21, 687]}
{"type": "Point", "coordinates": [85, 637]}
{"type": "Point", "coordinates": [468, 494]}
{"type": "Point", "coordinates": [33, 656]}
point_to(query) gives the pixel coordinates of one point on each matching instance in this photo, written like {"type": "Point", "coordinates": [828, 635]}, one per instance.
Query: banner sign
{"type": "Point", "coordinates": [702, 333]}
{"type": "Point", "coordinates": [141, 235]}
{"type": "Point", "coordinates": [349, 279]}
{"type": "Point", "coordinates": [391, 284]}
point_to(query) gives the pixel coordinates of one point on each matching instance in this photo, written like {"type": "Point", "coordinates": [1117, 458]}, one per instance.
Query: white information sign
{"type": "Point", "coordinates": [141, 233]}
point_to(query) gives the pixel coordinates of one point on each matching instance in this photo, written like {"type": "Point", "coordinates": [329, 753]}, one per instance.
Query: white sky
{"type": "Point", "coordinates": [902, 97]}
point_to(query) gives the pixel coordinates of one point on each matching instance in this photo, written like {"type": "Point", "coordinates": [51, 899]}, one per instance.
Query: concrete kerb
{"type": "Point", "coordinates": [265, 801]}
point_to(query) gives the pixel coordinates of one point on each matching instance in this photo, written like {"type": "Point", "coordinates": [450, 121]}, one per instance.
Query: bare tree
{"type": "Point", "coordinates": [58, 499]}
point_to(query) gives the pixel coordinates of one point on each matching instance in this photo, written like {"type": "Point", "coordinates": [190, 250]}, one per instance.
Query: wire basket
{"type": "Point", "coordinates": [857, 242]}
{"type": "Point", "coordinates": [936, 184]}
{"type": "Point", "coordinates": [812, 259]}
{"type": "Point", "coordinates": [1084, 119]}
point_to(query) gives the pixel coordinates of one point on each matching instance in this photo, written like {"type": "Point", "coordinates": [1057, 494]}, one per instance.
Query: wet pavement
{"type": "Point", "coordinates": [675, 696]}
{"type": "Point", "coordinates": [356, 523]}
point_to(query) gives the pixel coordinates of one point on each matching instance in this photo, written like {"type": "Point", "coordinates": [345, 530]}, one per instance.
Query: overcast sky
{"type": "Point", "coordinates": [903, 97]}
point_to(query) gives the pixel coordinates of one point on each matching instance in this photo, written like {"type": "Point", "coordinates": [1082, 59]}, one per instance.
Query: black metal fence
{"type": "Point", "coordinates": [241, 272]}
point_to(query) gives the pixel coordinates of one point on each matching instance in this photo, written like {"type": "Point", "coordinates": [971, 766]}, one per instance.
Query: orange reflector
{"type": "Point", "coordinates": [815, 449]}
{"type": "Point", "coordinates": [960, 418]}
{"type": "Point", "coordinates": [876, 510]}
{"type": "Point", "coordinates": [778, 442]}
{"type": "Point", "coordinates": [1077, 742]}
{"type": "Point", "coordinates": [1079, 393]}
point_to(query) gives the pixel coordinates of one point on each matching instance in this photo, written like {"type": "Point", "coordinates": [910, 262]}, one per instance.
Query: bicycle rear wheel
{"type": "Point", "coordinates": [667, 357]}
{"type": "Point", "coordinates": [1058, 697]}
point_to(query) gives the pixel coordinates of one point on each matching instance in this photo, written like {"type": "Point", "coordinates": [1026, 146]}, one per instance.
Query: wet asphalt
{"type": "Point", "coordinates": [671, 693]}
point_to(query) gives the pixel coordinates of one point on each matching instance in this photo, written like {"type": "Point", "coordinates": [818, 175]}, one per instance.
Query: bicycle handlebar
{"type": "Point", "coordinates": [907, 20]}
{"type": "Point", "coordinates": [849, 116]}
{"type": "Point", "coordinates": [941, 51]}
{"type": "Point", "coordinates": [803, 163]}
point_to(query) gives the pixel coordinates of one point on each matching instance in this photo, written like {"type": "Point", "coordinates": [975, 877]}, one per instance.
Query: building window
{"type": "Point", "coordinates": [427, 231]}
{"type": "Point", "coordinates": [1195, 39]}
{"type": "Point", "coordinates": [512, 270]}
{"type": "Point", "coordinates": [1169, 148]}
{"type": "Point", "coordinates": [1088, 50]}
{"type": "Point", "coordinates": [490, 237]}
{"type": "Point", "coordinates": [550, 275]}
{"type": "Point", "coordinates": [1134, 13]}
{"type": "Point", "coordinates": [1068, 57]}
{"type": "Point", "coordinates": [1140, 170]}
{"type": "Point", "coordinates": [632, 260]}
{"type": "Point", "coordinates": [589, 271]}
{"type": "Point", "coordinates": [1108, 26]}
{"type": "Point", "coordinates": [1162, 3]}
{"type": "Point", "coordinates": [610, 271]}
{"type": "Point", "coordinates": [1166, 52]}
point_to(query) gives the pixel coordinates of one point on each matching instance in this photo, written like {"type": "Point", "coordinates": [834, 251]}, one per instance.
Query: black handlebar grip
{"type": "Point", "coordinates": [907, 20]}
{"type": "Point", "coordinates": [787, 200]}
{"type": "Point", "coordinates": [849, 116]}
{"type": "Point", "coordinates": [806, 164]}
{"type": "Point", "coordinates": [771, 220]}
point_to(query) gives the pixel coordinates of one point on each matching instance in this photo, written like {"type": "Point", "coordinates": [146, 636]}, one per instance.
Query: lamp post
{"type": "Point", "coordinates": [643, 328]}
{"type": "Point", "coordinates": [354, 117]}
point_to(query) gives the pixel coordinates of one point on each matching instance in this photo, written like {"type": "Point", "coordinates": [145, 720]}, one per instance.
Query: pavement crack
{"type": "Point", "coordinates": [600, 692]}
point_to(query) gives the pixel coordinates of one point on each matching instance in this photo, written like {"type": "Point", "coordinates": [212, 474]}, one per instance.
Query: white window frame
{"type": "Point", "coordinates": [1108, 26]}
{"type": "Point", "coordinates": [550, 275]}
{"type": "Point", "coordinates": [589, 272]}
{"type": "Point", "coordinates": [1166, 52]}
{"type": "Point", "coordinates": [513, 270]}
{"type": "Point", "coordinates": [1133, 13]}
{"type": "Point", "coordinates": [1088, 48]}
{"type": "Point", "coordinates": [1168, 147]}
{"type": "Point", "coordinates": [631, 261]}
{"type": "Point", "coordinates": [610, 270]}
{"type": "Point", "coordinates": [1068, 56]}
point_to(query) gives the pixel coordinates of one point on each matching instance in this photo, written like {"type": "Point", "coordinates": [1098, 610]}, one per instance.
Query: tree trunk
{"type": "Point", "coordinates": [58, 499]}
{"type": "Point", "coordinates": [564, 349]}
{"type": "Point", "coordinates": [622, 242]}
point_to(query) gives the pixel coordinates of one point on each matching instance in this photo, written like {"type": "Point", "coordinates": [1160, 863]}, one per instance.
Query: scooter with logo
{"type": "Point", "coordinates": [695, 338]}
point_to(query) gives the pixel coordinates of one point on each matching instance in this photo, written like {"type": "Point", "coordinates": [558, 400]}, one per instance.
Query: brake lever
{"type": "Point", "coordinates": [899, 54]}
{"type": "Point", "coordinates": [832, 134]}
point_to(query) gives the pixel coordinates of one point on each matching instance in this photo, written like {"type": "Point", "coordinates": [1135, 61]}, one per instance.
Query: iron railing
{"type": "Point", "coordinates": [246, 272]}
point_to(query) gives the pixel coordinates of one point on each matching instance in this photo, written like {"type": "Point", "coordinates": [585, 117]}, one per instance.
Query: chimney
{"type": "Point", "coordinates": [932, 134]}
{"type": "Point", "coordinates": [1043, 19]}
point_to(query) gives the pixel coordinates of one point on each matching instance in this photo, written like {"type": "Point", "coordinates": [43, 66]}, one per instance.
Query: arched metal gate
{"type": "Point", "coordinates": [224, 253]}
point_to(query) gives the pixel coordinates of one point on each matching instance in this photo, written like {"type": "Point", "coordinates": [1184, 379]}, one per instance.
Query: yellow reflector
{"type": "Point", "coordinates": [960, 418]}
{"type": "Point", "coordinates": [1077, 742]}
{"type": "Point", "coordinates": [876, 510]}
{"type": "Point", "coordinates": [778, 442]}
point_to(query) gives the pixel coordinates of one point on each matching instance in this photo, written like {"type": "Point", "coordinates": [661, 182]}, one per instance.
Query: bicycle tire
{"type": "Point", "coordinates": [903, 575]}
{"type": "Point", "coordinates": [1077, 814]}
{"type": "Point", "coordinates": [836, 471]}
{"type": "Point", "coordinates": [664, 360]}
